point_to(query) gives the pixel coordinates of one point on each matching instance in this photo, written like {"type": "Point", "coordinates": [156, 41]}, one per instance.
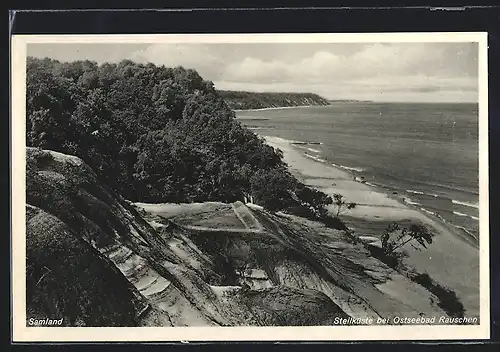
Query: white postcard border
{"type": "Point", "coordinates": [21, 333]}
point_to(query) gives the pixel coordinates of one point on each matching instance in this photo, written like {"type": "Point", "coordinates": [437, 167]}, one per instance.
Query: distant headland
{"type": "Point", "coordinates": [241, 100]}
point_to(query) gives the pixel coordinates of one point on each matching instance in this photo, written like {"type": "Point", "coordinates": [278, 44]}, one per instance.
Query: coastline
{"type": "Point", "coordinates": [279, 108]}
{"type": "Point", "coordinates": [452, 259]}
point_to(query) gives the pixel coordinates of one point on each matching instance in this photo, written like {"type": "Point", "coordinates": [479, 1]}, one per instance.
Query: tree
{"type": "Point", "coordinates": [169, 98]}
{"type": "Point", "coordinates": [158, 134]}
{"type": "Point", "coordinates": [50, 101]}
{"type": "Point", "coordinates": [396, 237]}
{"type": "Point", "coordinates": [272, 189]}
{"type": "Point", "coordinates": [314, 199]}
{"type": "Point", "coordinates": [341, 204]}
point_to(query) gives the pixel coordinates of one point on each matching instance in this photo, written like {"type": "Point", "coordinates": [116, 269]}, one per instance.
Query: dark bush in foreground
{"type": "Point", "coordinates": [448, 299]}
{"type": "Point", "coordinates": [273, 189]}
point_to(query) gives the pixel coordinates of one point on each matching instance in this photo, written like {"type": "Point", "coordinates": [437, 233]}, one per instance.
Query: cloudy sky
{"type": "Point", "coordinates": [427, 72]}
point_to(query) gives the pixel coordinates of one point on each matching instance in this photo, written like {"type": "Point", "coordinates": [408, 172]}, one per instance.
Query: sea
{"type": "Point", "coordinates": [426, 151]}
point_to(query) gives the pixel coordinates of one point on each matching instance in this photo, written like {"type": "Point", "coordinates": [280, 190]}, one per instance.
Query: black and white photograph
{"type": "Point", "coordinates": [253, 182]}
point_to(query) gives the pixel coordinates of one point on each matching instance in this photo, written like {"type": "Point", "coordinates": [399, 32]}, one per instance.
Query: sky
{"type": "Point", "coordinates": [398, 72]}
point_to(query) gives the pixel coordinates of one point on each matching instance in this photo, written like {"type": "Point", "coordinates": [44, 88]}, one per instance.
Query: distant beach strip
{"type": "Point", "coordinates": [276, 108]}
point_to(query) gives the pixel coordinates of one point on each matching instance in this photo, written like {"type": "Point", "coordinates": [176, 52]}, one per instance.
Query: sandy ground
{"type": "Point", "coordinates": [277, 108]}
{"type": "Point", "coordinates": [209, 216]}
{"type": "Point", "coordinates": [451, 259]}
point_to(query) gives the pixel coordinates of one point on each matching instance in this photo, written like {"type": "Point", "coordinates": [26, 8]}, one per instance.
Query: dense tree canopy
{"type": "Point", "coordinates": [155, 134]}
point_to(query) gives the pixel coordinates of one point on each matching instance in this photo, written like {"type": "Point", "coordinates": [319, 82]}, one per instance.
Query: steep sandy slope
{"type": "Point", "coordinates": [107, 266]}
{"type": "Point", "coordinates": [67, 278]}
{"type": "Point", "coordinates": [292, 252]}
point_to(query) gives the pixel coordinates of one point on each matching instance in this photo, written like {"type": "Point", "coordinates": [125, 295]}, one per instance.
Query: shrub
{"type": "Point", "coordinates": [396, 237]}
{"type": "Point", "coordinates": [448, 299]}
{"type": "Point", "coordinates": [341, 204]}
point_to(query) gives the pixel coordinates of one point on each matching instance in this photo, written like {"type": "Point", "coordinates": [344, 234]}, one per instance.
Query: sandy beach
{"type": "Point", "coordinates": [277, 108]}
{"type": "Point", "coordinates": [452, 259]}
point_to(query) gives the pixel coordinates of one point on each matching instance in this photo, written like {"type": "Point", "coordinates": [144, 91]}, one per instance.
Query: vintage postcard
{"type": "Point", "coordinates": [270, 187]}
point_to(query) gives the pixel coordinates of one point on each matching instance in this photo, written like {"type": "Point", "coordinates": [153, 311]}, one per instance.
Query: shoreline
{"type": "Point", "coordinates": [452, 259]}
{"type": "Point", "coordinates": [279, 108]}
{"type": "Point", "coordinates": [349, 175]}
{"type": "Point", "coordinates": [402, 197]}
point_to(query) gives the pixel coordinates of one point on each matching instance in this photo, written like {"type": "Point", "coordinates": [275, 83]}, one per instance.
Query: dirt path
{"type": "Point", "coordinates": [246, 216]}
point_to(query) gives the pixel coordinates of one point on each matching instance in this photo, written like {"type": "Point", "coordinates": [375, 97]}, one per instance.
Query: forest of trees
{"type": "Point", "coordinates": [157, 134]}
{"type": "Point", "coordinates": [239, 100]}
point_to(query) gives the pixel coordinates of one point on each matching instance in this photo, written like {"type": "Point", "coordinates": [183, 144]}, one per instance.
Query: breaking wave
{"type": "Point", "coordinates": [304, 147]}
{"type": "Point", "coordinates": [409, 201]}
{"type": "Point", "coordinates": [465, 215]}
{"type": "Point", "coordinates": [428, 211]}
{"type": "Point", "coordinates": [467, 204]}
{"type": "Point", "coordinates": [349, 168]}
{"type": "Point", "coordinates": [422, 193]}
{"type": "Point", "coordinates": [314, 150]}
{"type": "Point", "coordinates": [315, 158]}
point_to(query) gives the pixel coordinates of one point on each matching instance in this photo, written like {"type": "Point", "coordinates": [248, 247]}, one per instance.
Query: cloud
{"type": "Point", "coordinates": [403, 58]}
{"type": "Point", "coordinates": [422, 69]}
{"type": "Point", "coordinates": [373, 60]}
{"type": "Point", "coordinates": [256, 70]}
{"type": "Point", "coordinates": [311, 69]}
{"type": "Point", "coordinates": [200, 57]}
